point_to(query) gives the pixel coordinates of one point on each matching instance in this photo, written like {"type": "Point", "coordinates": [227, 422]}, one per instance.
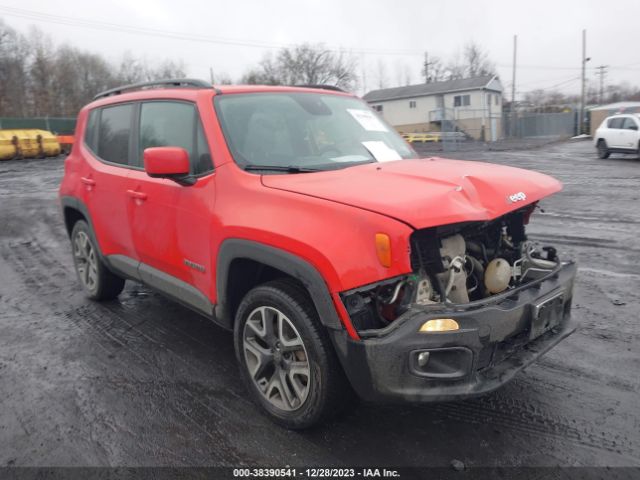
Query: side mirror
{"type": "Point", "coordinates": [633, 127]}
{"type": "Point", "coordinates": [167, 162]}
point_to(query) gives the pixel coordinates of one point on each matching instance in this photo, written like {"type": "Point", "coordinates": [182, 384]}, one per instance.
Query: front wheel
{"type": "Point", "coordinates": [603, 150]}
{"type": "Point", "coordinates": [286, 358]}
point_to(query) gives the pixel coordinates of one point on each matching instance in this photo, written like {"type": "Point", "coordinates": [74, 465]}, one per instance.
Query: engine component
{"type": "Point", "coordinates": [497, 275]}
{"type": "Point", "coordinates": [453, 253]}
{"type": "Point", "coordinates": [424, 291]}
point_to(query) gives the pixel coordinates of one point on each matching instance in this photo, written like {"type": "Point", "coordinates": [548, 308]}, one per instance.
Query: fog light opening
{"type": "Point", "coordinates": [439, 325]}
{"type": "Point", "coordinates": [423, 358]}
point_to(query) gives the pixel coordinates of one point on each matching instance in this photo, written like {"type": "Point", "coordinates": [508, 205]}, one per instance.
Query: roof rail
{"type": "Point", "coordinates": [171, 82]}
{"type": "Point", "coordinates": [322, 87]}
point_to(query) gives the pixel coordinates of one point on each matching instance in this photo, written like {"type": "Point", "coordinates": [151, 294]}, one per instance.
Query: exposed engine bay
{"type": "Point", "coordinates": [456, 264]}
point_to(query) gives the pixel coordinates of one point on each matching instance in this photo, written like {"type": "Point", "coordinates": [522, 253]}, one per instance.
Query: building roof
{"type": "Point", "coordinates": [424, 89]}
{"type": "Point", "coordinates": [617, 106]}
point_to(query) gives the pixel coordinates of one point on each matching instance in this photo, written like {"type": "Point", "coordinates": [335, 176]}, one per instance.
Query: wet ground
{"type": "Point", "coordinates": [143, 381]}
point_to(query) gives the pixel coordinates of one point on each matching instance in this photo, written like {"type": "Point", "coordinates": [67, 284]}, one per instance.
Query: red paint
{"type": "Point", "coordinates": [166, 161]}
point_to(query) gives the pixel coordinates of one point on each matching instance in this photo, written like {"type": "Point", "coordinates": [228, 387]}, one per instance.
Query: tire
{"type": "Point", "coordinates": [603, 151]}
{"type": "Point", "coordinates": [269, 356]}
{"type": "Point", "coordinates": [97, 281]}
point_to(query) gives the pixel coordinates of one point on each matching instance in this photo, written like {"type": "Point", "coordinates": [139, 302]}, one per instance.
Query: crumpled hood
{"type": "Point", "coordinates": [425, 192]}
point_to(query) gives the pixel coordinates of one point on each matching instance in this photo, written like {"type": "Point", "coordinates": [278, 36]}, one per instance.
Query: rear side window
{"type": "Point", "coordinates": [114, 133]}
{"type": "Point", "coordinates": [175, 124]}
{"type": "Point", "coordinates": [91, 130]}
{"type": "Point", "coordinates": [615, 122]}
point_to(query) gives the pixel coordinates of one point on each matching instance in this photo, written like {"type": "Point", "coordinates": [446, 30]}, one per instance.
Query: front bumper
{"type": "Point", "coordinates": [497, 338]}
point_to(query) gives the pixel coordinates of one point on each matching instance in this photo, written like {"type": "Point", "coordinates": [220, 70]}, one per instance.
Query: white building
{"type": "Point", "coordinates": [470, 105]}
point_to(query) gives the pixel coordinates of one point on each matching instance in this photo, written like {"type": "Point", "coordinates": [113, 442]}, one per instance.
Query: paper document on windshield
{"type": "Point", "coordinates": [367, 120]}
{"type": "Point", "coordinates": [381, 152]}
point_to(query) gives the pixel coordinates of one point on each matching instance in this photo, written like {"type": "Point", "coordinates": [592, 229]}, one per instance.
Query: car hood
{"type": "Point", "coordinates": [425, 192]}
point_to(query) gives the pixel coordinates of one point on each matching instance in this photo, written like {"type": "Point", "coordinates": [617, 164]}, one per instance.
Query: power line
{"type": "Point", "coordinates": [108, 26]}
{"type": "Point", "coordinates": [43, 17]}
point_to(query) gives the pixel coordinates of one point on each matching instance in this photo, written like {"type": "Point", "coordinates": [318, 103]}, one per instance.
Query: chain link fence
{"type": "Point", "coordinates": [56, 125]}
{"type": "Point", "coordinates": [476, 129]}
{"type": "Point", "coordinates": [526, 124]}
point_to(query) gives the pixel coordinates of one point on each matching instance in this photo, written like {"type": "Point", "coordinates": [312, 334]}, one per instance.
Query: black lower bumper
{"type": "Point", "coordinates": [496, 340]}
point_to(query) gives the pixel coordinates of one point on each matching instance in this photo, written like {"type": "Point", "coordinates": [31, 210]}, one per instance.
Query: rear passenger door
{"type": "Point", "coordinates": [171, 222]}
{"type": "Point", "coordinates": [108, 149]}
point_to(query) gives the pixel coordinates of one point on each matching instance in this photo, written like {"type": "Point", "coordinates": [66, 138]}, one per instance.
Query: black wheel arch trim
{"type": "Point", "coordinates": [296, 267]}
{"type": "Point", "coordinates": [78, 205]}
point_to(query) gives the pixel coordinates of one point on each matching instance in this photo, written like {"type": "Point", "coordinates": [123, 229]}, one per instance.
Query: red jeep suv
{"type": "Point", "coordinates": [296, 217]}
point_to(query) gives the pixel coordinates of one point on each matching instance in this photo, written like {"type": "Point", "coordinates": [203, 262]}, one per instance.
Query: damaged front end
{"type": "Point", "coordinates": [455, 265]}
{"type": "Point", "coordinates": [482, 302]}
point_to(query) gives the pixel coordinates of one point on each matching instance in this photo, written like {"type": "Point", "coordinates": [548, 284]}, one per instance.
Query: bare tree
{"type": "Point", "coordinates": [436, 72]}
{"type": "Point", "coordinates": [476, 61]}
{"type": "Point", "coordinates": [473, 62]}
{"type": "Point", "coordinates": [305, 64]}
{"type": "Point", "coordinates": [13, 72]}
{"type": "Point", "coordinates": [41, 61]}
{"type": "Point", "coordinates": [381, 74]}
{"type": "Point", "coordinates": [38, 78]}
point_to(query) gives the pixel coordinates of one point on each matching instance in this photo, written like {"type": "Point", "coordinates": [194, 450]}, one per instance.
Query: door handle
{"type": "Point", "coordinates": [88, 181]}
{"type": "Point", "coordinates": [137, 195]}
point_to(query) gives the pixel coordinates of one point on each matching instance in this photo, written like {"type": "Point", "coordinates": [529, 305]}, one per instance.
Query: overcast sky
{"type": "Point", "coordinates": [233, 35]}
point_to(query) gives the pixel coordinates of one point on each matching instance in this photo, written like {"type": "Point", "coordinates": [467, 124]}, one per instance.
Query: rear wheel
{"type": "Point", "coordinates": [603, 149]}
{"type": "Point", "coordinates": [286, 357]}
{"type": "Point", "coordinates": [96, 280]}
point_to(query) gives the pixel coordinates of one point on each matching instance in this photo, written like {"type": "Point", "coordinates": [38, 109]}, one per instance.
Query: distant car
{"type": "Point", "coordinates": [618, 134]}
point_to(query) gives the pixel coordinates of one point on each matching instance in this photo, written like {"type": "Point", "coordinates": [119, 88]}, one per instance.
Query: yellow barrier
{"type": "Point", "coordinates": [28, 143]}
{"type": "Point", "coordinates": [422, 137]}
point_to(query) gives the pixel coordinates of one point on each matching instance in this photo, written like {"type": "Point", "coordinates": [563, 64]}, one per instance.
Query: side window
{"type": "Point", "coordinates": [174, 124]}
{"type": "Point", "coordinates": [462, 100]}
{"type": "Point", "coordinates": [629, 124]}
{"type": "Point", "coordinates": [91, 130]}
{"type": "Point", "coordinates": [114, 133]}
{"type": "Point", "coordinates": [616, 122]}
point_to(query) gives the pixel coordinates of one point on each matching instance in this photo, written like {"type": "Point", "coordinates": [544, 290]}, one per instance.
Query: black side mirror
{"type": "Point", "coordinates": [633, 127]}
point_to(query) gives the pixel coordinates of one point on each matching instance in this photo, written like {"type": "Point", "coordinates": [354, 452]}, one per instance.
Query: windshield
{"type": "Point", "coordinates": [295, 132]}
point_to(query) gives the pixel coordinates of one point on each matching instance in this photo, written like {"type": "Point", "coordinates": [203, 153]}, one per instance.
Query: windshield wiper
{"type": "Point", "coordinates": [280, 168]}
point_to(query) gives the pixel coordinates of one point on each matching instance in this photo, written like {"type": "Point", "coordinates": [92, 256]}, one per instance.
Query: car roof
{"type": "Point", "coordinates": [183, 90]}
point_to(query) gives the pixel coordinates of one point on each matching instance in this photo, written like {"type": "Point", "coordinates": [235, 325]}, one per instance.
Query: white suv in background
{"type": "Point", "coordinates": [618, 134]}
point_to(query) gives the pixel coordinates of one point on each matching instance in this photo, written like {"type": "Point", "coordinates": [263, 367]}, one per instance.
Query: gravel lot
{"type": "Point", "coordinates": [142, 381]}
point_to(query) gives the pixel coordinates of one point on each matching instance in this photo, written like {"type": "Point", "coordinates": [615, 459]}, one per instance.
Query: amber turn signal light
{"type": "Point", "coordinates": [439, 325]}
{"type": "Point", "coordinates": [383, 249]}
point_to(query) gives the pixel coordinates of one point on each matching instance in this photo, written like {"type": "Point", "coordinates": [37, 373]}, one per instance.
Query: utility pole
{"type": "Point", "coordinates": [211, 75]}
{"type": "Point", "coordinates": [602, 71]}
{"type": "Point", "coordinates": [585, 59]}
{"type": "Point", "coordinates": [426, 67]}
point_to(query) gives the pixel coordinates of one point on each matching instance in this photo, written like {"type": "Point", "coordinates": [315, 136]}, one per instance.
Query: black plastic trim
{"type": "Point", "coordinates": [288, 263]}
{"type": "Point", "coordinates": [168, 83]}
{"type": "Point", "coordinates": [175, 288]}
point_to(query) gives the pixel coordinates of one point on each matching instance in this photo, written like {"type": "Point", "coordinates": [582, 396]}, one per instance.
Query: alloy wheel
{"type": "Point", "coordinates": [276, 358]}
{"type": "Point", "coordinates": [86, 261]}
